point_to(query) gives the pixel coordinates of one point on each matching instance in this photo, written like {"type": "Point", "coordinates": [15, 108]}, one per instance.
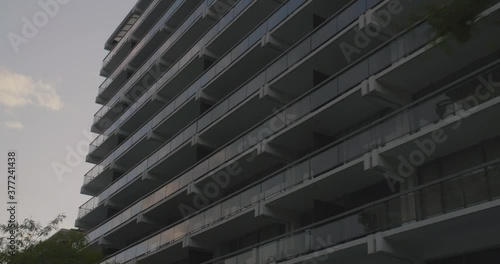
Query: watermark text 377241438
{"type": "Point", "coordinates": [11, 198]}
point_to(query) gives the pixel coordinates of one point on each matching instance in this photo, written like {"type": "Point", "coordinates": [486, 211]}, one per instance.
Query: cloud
{"type": "Point", "coordinates": [14, 125]}
{"type": "Point", "coordinates": [17, 90]}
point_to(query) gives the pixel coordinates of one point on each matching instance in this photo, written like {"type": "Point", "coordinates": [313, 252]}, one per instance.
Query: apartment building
{"type": "Point", "coordinates": [295, 131]}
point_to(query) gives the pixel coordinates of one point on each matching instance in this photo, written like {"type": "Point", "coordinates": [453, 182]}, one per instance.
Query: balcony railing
{"type": "Point", "coordinates": [191, 91]}
{"type": "Point", "coordinates": [420, 114]}
{"type": "Point", "coordinates": [144, 67]}
{"type": "Point", "coordinates": [209, 36]}
{"type": "Point", "coordinates": [385, 214]}
{"type": "Point", "coordinates": [250, 88]}
{"type": "Point", "coordinates": [128, 35]}
{"type": "Point", "coordinates": [159, 25]}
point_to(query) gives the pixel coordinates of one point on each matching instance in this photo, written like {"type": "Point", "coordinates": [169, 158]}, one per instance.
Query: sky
{"type": "Point", "coordinates": [51, 52]}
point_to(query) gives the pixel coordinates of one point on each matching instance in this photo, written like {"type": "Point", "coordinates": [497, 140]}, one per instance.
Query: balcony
{"type": "Point", "coordinates": [279, 189]}
{"type": "Point", "coordinates": [104, 168]}
{"type": "Point", "coordinates": [391, 230]}
{"type": "Point", "coordinates": [141, 45]}
{"type": "Point", "coordinates": [235, 18]}
{"type": "Point", "coordinates": [125, 26]}
{"type": "Point", "coordinates": [163, 26]}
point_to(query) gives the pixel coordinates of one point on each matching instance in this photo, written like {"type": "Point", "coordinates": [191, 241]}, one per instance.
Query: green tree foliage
{"type": "Point", "coordinates": [455, 17]}
{"type": "Point", "coordinates": [34, 246]}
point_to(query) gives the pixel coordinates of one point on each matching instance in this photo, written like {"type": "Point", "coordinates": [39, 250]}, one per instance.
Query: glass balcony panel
{"type": "Point", "coordinates": [207, 76]}
{"type": "Point", "coordinates": [257, 34]}
{"type": "Point", "coordinates": [146, 203]}
{"type": "Point", "coordinates": [238, 8]}
{"type": "Point", "coordinates": [352, 228]}
{"type": "Point", "coordinates": [250, 196]}
{"type": "Point", "coordinates": [205, 121]}
{"type": "Point", "coordinates": [142, 248]}
{"type": "Point", "coordinates": [395, 211]}
{"type": "Point", "coordinates": [237, 97]}
{"type": "Point", "coordinates": [217, 159]}
{"type": "Point", "coordinates": [223, 64]}
{"type": "Point", "coordinates": [270, 252]}
{"type": "Point", "coordinates": [185, 179]}
{"type": "Point", "coordinates": [177, 141]}
{"type": "Point", "coordinates": [324, 94]}
{"type": "Point", "coordinates": [180, 230]}
{"type": "Point", "coordinates": [380, 60]}
{"type": "Point", "coordinates": [181, 98]}
{"type": "Point", "coordinates": [256, 83]}
{"type": "Point", "coordinates": [475, 188]}
{"type": "Point", "coordinates": [220, 109]}
{"type": "Point", "coordinates": [201, 169]}
{"type": "Point", "coordinates": [292, 5]}
{"type": "Point", "coordinates": [173, 186]}
{"type": "Point", "coordinates": [426, 113]}
{"type": "Point", "coordinates": [453, 195]}
{"type": "Point", "coordinates": [351, 13]}
{"type": "Point", "coordinates": [354, 76]}
{"type": "Point", "coordinates": [297, 174]}
{"type": "Point", "coordinates": [196, 222]}
{"type": "Point", "coordinates": [134, 210]}
{"type": "Point", "coordinates": [120, 258]}
{"type": "Point", "coordinates": [233, 260]}
{"type": "Point", "coordinates": [213, 214]}
{"type": "Point", "coordinates": [130, 253]}
{"type": "Point", "coordinates": [153, 158]}
{"type": "Point", "coordinates": [160, 195]}
{"type": "Point", "coordinates": [295, 245]}
{"type": "Point", "coordinates": [395, 127]}
{"type": "Point", "coordinates": [167, 236]}
{"type": "Point", "coordinates": [231, 206]}
{"type": "Point", "coordinates": [164, 151]}
{"type": "Point", "coordinates": [324, 33]}
{"type": "Point", "coordinates": [127, 214]}
{"type": "Point", "coordinates": [299, 52]}
{"type": "Point", "coordinates": [117, 220]}
{"type": "Point", "coordinates": [277, 17]}
{"type": "Point", "coordinates": [239, 49]}
{"type": "Point", "coordinates": [375, 218]}
{"type": "Point", "coordinates": [273, 185]}
{"type": "Point", "coordinates": [408, 208]}
{"type": "Point", "coordinates": [189, 132]}
{"type": "Point", "coordinates": [248, 257]}
{"type": "Point", "coordinates": [325, 161]}
{"type": "Point", "coordinates": [154, 243]}
{"type": "Point", "coordinates": [358, 145]}
{"type": "Point", "coordinates": [276, 68]}
{"type": "Point", "coordinates": [326, 235]}
{"type": "Point", "coordinates": [431, 201]}
{"type": "Point", "coordinates": [234, 149]}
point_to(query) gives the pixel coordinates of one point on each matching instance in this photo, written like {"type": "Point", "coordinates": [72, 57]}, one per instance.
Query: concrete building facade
{"type": "Point", "coordinates": [295, 131]}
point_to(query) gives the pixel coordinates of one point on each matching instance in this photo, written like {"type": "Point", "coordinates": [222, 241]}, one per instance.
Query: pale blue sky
{"type": "Point", "coordinates": [47, 93]}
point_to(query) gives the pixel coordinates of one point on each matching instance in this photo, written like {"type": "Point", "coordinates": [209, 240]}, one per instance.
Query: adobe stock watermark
{"type": "Point", "coordinates": [425, 148]}
{"type": "Point", "coordinates": [75, 156]}
{"type": "Point", "coordinates": [381, 20]}
{"type": "Point", "coordinates": [32, 25]}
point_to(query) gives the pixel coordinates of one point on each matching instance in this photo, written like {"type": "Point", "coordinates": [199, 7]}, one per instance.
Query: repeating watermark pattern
{"type": "Point", "coordinates": [12, 191]}
{"type": "Point", "coordinates": [32, 25]}
{"type": "Point", "coordinates": [75, 156]}
{"type": "Point", "coordinates": [425, 148]}
{"type": "Point", "coordinates": [381, 20]}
